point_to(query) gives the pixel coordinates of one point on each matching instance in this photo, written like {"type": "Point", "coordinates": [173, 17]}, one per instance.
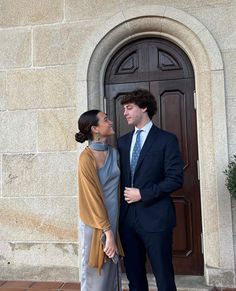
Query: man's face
{"type": "Point", "coordinates": [134, 114]}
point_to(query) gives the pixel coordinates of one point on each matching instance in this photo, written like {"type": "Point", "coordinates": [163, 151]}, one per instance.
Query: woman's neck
{"type": "Point", "coordinates": [100, 145]}
{"type": "Point", "coordinates": [101, 140]}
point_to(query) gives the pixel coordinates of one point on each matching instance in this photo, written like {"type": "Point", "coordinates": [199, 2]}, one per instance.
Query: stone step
{"type": "Point", "coordinates": [183, 283]}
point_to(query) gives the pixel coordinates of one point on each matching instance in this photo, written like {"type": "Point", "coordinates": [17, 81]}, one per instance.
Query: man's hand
{"type": "Point", "coordinates": [132, 195]}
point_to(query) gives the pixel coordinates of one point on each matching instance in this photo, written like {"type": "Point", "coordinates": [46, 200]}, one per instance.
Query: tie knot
{"type": "Point", "coordinates": [138, 132]}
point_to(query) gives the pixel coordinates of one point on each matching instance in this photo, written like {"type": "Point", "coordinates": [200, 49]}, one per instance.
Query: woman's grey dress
{"type": "Point", "coordinates": [108, 279]}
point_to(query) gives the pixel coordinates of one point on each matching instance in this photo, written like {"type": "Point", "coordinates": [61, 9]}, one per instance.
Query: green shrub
{"type": "Point", "coordinates": [230, 181]}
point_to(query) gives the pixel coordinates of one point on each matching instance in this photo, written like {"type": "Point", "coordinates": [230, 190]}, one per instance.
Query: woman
{"type": "Point", "coordinates": [98, 204]}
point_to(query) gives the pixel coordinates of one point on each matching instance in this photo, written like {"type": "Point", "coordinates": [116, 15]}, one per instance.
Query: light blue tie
{"type": "Point", "coordinates": [135, 154]}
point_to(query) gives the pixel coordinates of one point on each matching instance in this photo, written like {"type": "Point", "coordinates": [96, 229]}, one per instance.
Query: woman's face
{"type": "Point", "coordinates": [104, 127]}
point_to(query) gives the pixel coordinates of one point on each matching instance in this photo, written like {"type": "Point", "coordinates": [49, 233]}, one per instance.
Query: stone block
{"type": "Point", "coordinates": [186, 19]}
{"type": "Point", "coordinates": [30, 175]}
{"type": "Point", "coordinates": [109, 41]}
{"type": "Point", "coordinates": [183, 4]}
{"type": "Point", "coordinates": [61, 44]}
{"type": "Point", "coordinates": [15, 48]}
{"type": "Point", "coordinates": [56, 130]}
{"type": "Point", "coordinates": [205, 132]}
{"type": "Point", "coordinates": [232, 152]}
{"type": "Point", "coordinates": [231, 120]}
{"type": "Point", "coordinates": [18, 131]}
{"type": "Point", "coordinates": [229, 59]}
{"type": "Point", "coordinates": [231, 102]}
{"type": "Point", "coordinates": [203, 100]}
{"type": "Point", "coordinates": [39, 273]}
{"type": "Point", "coordinates": [45, 254]}
{"type": "Point", "coordinates": [192, 47]}
{"type": "Point", "coordinates": [132, 10]}
{"type": "Point", "coordinates": [222, 28]}
{"type": "Point", "coordinates": [220, 277]}
{"type": "Point", "coordinates": [2, 91]}
{"type": "Point", "coordinates": [0, 175]}
{"type": "Point", "coordinates": [234, 216]}
{"type": "Point", "coordinates": [231, 107]}
{"type": "Point", "coordinates": [23, 12]}
{"type": "Point", "coordinates": [219, 123]}
{"type": "Point", "coordinates": [40, 219]}
{"type": "Point", "coordinates": [43, 88]}
{"type": "Point", "coordinates": [6, 255]}
{"type": "Point", "coordinates": [211, 233]}
{"type": "Point", "coordinates": [82, 100]}
{"type": "Point", "coordinates": [147, 23]}
{"type": "Point", "coordinates": [79, 9]}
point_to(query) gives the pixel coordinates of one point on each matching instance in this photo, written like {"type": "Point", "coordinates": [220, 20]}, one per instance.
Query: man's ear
{"type": "Point", "coordinates": [144, 109]}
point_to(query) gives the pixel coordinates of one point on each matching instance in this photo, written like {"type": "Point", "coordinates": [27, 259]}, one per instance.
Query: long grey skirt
{"type": "Point", "coordinates": [108, 280]}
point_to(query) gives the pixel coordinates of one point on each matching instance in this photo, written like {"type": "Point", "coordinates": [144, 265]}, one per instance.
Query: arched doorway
{"type": "Point", "coordinates": [196, 40]}
{"type": "Point", "coordinates": [163, 68]}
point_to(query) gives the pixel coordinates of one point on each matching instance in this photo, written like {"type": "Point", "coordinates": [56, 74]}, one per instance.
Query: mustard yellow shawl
{"type": "Point", "coordinates": [91, 207]}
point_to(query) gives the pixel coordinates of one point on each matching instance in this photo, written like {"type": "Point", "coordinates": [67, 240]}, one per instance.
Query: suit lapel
{"type": "Point", "coordinates": [147, 145]}
{"type": "Point", "coordinates": [127, 153]}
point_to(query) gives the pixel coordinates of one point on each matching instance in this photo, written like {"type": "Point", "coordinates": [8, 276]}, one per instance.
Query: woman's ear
{"type": "Point", "coordinates": [94, 129]}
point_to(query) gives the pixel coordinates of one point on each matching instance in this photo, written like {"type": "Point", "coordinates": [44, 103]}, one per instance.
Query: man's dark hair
{"type": "Point", "coordinates": [143, 99]}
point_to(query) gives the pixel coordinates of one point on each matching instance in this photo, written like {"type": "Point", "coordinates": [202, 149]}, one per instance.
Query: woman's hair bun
{"type": "Point", "coordinates": [80, 137]}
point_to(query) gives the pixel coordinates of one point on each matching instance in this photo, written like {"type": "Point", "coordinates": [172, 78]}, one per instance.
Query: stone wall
{"type": "Point", "coordinates": [40, 99]}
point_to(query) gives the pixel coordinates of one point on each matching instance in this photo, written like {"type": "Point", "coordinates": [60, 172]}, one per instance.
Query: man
{"type": "Point", "coordinates": [151, 169]}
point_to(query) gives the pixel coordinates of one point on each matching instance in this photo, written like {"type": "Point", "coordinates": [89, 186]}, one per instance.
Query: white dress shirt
{"type": "Point", "coordinates": [143, 135]}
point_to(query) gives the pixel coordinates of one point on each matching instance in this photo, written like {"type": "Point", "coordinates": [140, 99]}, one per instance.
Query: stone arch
{"type": "Point", "coordinates": [194, 38]}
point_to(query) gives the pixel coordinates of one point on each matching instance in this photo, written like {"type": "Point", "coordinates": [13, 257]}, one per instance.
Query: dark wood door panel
{"type": "Point", "coordinates": [183, 247]}
{"type": "Point", "coordinates": [147, 60]}
{"type": "Point", "coordinates": [161, 67]}
{"type": "Point", "coordinates": [172, 99]}
{"type": "Point", "coordinates": [177, 114]}
{"type": "Point", "coordinates": [128, 65]}
{"type": "Point", "coordinates": [168, 62]}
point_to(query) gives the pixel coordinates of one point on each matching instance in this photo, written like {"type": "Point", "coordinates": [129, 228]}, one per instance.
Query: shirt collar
{"type": "Point", "coordinates": [146, 127]}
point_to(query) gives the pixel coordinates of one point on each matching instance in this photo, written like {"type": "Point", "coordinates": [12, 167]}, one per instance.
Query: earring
{"type": "Point", "coordinates": [97, 136]}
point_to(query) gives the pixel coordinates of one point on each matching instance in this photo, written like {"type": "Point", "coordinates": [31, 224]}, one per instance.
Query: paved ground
{"type": "Point", "coordinates": [61, 286]}
{"type": "Point", "coordinates": [37, 286]}
{"type": "Point", "coordinates": [40, 286]}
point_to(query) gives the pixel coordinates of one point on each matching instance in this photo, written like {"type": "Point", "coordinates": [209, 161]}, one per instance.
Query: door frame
{"type": "Point", "coordinates": [197, 42]}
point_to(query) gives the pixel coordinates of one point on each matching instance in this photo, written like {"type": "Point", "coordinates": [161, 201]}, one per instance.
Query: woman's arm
{"type": "Point", "coordinates": [110, 248]}
{"type": "Point", "coordinates": [92, 208]}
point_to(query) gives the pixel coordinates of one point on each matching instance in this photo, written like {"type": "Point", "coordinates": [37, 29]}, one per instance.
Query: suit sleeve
{"type": "Point", "coordinates": [172, 178]}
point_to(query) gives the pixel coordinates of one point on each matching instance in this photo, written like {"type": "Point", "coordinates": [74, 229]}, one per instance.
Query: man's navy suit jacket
{"type": "Point", "coordinates": [158, 173]}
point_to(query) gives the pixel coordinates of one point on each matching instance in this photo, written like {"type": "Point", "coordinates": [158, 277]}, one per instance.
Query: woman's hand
{"type": "Point", "coordinates": [110, 247]}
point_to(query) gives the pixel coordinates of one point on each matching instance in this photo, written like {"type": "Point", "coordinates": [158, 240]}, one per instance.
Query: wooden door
{"type": "Point", "coordinates": [164, 69]}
